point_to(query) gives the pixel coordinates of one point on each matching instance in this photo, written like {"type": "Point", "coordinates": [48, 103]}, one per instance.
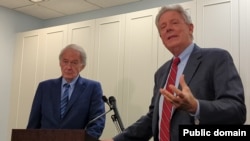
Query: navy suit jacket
{"type": "Point", "coordinates": [84, 105]}
{"type": "Point", "coordinates": [213, 79]}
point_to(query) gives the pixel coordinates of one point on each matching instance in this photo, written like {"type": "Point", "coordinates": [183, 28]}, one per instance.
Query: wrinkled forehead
{"type": "Point", "coordinates": [71, 54]}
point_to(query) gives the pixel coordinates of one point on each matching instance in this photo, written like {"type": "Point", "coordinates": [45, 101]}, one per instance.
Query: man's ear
{"type": "Point", "coordinates": [82, 67]}
{"type": "Point", "coordinates": [191, 28]}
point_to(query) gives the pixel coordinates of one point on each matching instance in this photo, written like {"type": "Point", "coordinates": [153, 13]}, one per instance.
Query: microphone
{"type": "Point", "coordinates": [104, 98]}
{"type": "Point", "coordinates": [112, 102]}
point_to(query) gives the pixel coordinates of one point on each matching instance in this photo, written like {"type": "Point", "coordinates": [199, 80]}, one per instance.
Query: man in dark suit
{"type": "Point", "coordinates": [207, 90]}
{"type": "Point", "coordinates": [84, 98]}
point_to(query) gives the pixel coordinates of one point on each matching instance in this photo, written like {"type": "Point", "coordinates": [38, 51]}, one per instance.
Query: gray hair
{"type": "Point", "coordinates": [177, 8]}
{"type": "Point", "coordinates": [76, 48]}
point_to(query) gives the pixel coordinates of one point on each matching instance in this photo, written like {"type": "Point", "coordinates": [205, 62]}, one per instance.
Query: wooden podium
{"type": "Point", "coordinates": [50, 135]}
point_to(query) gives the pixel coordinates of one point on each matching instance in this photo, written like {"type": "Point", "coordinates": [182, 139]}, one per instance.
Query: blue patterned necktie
{"type": "Point", "coordinates": [64, 99]}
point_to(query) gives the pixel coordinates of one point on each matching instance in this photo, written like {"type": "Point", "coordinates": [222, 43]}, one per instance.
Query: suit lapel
{"type": "Point", "coordinates": [192, 64]}
{"type": "Point", "coordinates": [164, 74]}
{"type": "Point", "coordinates": [161, 79]}
{"type": "Point", "coordinates": [56, 97]}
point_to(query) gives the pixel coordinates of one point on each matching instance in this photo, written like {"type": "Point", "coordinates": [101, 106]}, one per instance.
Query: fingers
{"type": "Point", "coordinates": [183, 82]}
{"type": "Point", "coordinates": [178, 96]}
{"type": "Point", "coordinates": [177, 92]}
{"type": "Point", "coordinates": [183, 98]}
{"type": "Point", "coordinates": [166, 94]}
{"type": "Point", "coordinates": [170, 97]}
{"type": "Point", "coordinates": [175, 100]}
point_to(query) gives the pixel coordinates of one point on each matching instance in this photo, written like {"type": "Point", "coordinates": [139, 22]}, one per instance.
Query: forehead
{"type": "Point", "coordinates": [71, 54]}
{"type": "Point", "coordinates": [170, 15]}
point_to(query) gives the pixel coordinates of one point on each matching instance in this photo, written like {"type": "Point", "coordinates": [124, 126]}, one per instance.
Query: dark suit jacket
{"type": "Point", "coordinates": [213, 80]}
{"type": "Point", "coordinates": [85, 104]}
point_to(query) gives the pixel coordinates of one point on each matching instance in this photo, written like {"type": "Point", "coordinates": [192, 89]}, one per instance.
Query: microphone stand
{"type": "Point", "coordinates": [118, 125]}
{"type": "Point", "coordinates": [112, 105]}
{"type": "Point", "coordinates": [97, 118]}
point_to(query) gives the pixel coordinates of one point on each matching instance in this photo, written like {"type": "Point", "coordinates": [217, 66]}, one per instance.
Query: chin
{"type": "Point", "coordinates": [68, 76]}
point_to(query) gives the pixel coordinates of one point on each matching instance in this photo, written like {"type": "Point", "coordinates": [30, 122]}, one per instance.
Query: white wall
{"type": "Point", "coordinates": [244, 18]}
{"type": "Point", "coordinates": [140, 5]}
{"type": "Point", "coordinates": [11, 23]}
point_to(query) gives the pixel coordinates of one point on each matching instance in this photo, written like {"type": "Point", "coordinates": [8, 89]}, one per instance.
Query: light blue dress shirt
{"type": "Point", "coordinates": [72, 86]}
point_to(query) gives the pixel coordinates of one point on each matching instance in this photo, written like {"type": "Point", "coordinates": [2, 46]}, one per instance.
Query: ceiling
{"type": "Point", "coordinates": [49, 9]}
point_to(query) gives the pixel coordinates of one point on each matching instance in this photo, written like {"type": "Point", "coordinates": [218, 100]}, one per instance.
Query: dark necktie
{"type": "Point", "coordinates": [64, 99]}
{"type": "Point", "coordinates": [167, 106]}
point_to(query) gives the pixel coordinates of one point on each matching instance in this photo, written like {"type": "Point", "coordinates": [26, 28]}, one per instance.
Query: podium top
{"type": "Point", "coordinates": [51, 135]}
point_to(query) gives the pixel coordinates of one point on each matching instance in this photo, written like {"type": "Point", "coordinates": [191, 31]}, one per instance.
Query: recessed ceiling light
{"type": "Point", "coordinates": [36, 1]}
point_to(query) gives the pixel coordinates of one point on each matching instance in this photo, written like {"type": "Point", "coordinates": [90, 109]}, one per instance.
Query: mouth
{"type": "Point", "coordinates": [171, 37]}
{"type": "Point", "coordinates": [68, 73]}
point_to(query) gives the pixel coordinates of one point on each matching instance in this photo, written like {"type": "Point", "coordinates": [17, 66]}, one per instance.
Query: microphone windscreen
{"type": "Point", "coordinates": [112, 99]}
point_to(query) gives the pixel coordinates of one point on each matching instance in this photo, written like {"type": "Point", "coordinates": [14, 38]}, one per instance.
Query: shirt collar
{"type": "Point", "coordinates": [186, 53]}
{"type": "Point", "coordinates": [72, 83]}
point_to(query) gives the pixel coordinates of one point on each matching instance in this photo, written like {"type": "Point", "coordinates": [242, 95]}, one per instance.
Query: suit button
{"type": "Point", "coordinates": [196, 121]}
